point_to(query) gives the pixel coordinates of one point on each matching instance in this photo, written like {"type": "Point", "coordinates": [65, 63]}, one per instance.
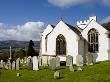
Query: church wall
{"type": "Point", "coordinates": [103, 41]}
{"type": "Point", "coordinates": [71, 41]}
{"type": "Point", "coordinates": [43, 39]}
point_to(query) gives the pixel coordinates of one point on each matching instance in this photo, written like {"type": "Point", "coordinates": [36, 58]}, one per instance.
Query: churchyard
{"type": "Point", "coordinates": [30, 70]}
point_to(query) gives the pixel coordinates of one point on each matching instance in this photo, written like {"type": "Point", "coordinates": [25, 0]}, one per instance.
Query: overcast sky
{"type": "Point", "coordinates": [26, 19]}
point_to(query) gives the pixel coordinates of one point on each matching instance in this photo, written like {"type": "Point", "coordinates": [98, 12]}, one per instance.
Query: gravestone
{"type": "Point", "coordinates": [53, 64]}
{"type": "Point", "coordinates": [30, 63]}
{"type": "Point", "coordinates": [79, 69]}
{"type": "Point", "coordinates": [25, 60]}
{"type": "Point", "coordinates": [57, 61]}
{"type": "Point", "coordinates": [71, 68]}
{"type": "Point", "coordinates": [79, 60]}
{"type": "Point", "coordinates": [1, 62]}
{"type": "Point", "coordinates": [17, 63]}
{"type": "Point", "coordinates": [29, 59]}
{"type": "Point", "coordinates": [56, 75]}
{"type": "Point", "coordinates": [89, 57]}
{"type": "Point", "coordinates": [44, 60]}
{"type": "Point", "coordinates": [21, 61]}
{"type": "Point", "coordinates": [9, 64]}
{"type": "Point", "coordinates": [18, 74]}
{"type": "Point", "coordinates": [35, 63]}
{"type": "Point", "coordinates": [40, 61]}
{"type": "Point", "coordinates": [6, 66]}
{"type": "Point", "coordinates": [13, 65]}
{"type": "Point", "coordinates": [69, 60]}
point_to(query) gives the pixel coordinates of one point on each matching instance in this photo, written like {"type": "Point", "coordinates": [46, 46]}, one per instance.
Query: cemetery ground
{"type": "Point", "coordinates": [99, 72]}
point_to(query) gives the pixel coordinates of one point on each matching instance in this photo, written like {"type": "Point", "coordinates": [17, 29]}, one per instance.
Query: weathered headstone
{"type": "Point", "coordinates": [9, 64]}
{"type": "Point", "coordinates": [18, 74]}
{"type": "Point", "coordinates": [57, 61]}
{"type": "Point", "coordinates": [89, 58]}
{"type": "Point", "coordinates": [79, 60]}
{"type": "Point", "coordinates": [6, 66]}
{"type": "Point", "coordinates": [13, 65]}
{"type": "Point", "coordinates": [25, 60]}
{"type": "Point", "coordinates": [21, 61]}
{"type": "Point", "coordinates": [69, 60]}
{"type": "Point", "coordinates": [1, 62]}
{"type": "Point", "coordinates": [44, 60]}
{"type": "Point", "coordinates": [35, 63]}
{"type": "Point", "coordinates": [79, 69]}
{"type": "Point", "coordinates": [53, 64]}
{"type": "Point", "coordinates": [40, 61]}
{"type": "Point", "coordinates": [29, 59]}
{"type": "Point", "coordinates": [30, 63]}
{"type": "Point", "coordinates": [56, 75]}
{"type": "Point", "coordinates": [71, 68]}
{"type": "Point", "coordinates": [17, 63]}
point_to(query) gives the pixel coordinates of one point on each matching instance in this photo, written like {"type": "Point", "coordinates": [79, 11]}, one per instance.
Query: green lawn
{"type": "Point", "coordinates": [99, 72]}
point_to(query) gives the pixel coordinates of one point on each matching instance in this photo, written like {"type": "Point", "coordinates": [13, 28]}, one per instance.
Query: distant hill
{"type": "Point", "coordinates": [17, 44]}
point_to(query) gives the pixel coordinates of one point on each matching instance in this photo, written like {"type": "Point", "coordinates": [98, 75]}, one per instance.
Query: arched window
{"type": "Point", "coordinates": [93, 45]}
{"type": "Point", "coordinates": [60, 45]}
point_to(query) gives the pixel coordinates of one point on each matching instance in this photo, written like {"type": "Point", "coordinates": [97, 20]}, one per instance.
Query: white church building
{"type": "Point", "coordinates": [64, 39]}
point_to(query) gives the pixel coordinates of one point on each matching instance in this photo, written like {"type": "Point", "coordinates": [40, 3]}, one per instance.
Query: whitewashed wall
{"type": "Point", "coordinates": [48, 29]}
{"type": "Point", "coordinates": [71, 40]}
{"type": "Point", "coordinates": [103, 40]}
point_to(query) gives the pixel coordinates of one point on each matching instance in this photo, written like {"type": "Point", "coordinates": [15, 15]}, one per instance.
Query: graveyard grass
{"type": "Point", "coordinates": [100, 72]}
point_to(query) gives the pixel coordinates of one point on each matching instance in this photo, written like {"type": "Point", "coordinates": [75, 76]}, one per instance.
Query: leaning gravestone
{"type": "Point", "coordinates": [56, 75]}
{"type": "Point", "coordinates": [57, 61]}
{"type": "Point", "coordinates": [35, 63]}
{"type": "Point", "coordinates": [69, 60]}
{"type": "Point", "coordinates": [17, 63]}
{"type": "Point", "coordinates": [89, 58]}
{"type": "Point", "coordinates": [53, 64]}
{"type": "Point", "coordinates": [79, 60]}
{"type": "Point", "coordinates": [13, 65]}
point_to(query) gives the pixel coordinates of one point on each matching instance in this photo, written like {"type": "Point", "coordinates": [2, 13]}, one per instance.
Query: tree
{"type": "Point", "coordinates": [19, 52]}
{"type": "Point", "coordinates": [30, 50]}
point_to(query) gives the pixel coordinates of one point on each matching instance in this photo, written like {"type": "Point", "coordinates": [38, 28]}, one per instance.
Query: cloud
{"type": "Point", "coordinates": [66, 3]}
{"type": "Point", "coordinates": [26, 32]}
{"type": "Point", "coordinates": [105, 20]}
{"type": "Point", "coordinates": [106, 2]}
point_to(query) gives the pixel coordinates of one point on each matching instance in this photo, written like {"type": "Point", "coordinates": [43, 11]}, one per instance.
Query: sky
{"type": "Point", "coordinates": [24, 20]}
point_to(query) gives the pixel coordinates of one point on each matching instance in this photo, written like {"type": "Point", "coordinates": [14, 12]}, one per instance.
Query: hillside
{"type": "Point", "coordinates": [17, 44]}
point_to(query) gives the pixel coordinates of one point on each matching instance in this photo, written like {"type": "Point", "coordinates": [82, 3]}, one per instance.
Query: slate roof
{"type": "Point", "coordinates": [53, 26]}
{"type": "Point", "coordinates": [74, 29]}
